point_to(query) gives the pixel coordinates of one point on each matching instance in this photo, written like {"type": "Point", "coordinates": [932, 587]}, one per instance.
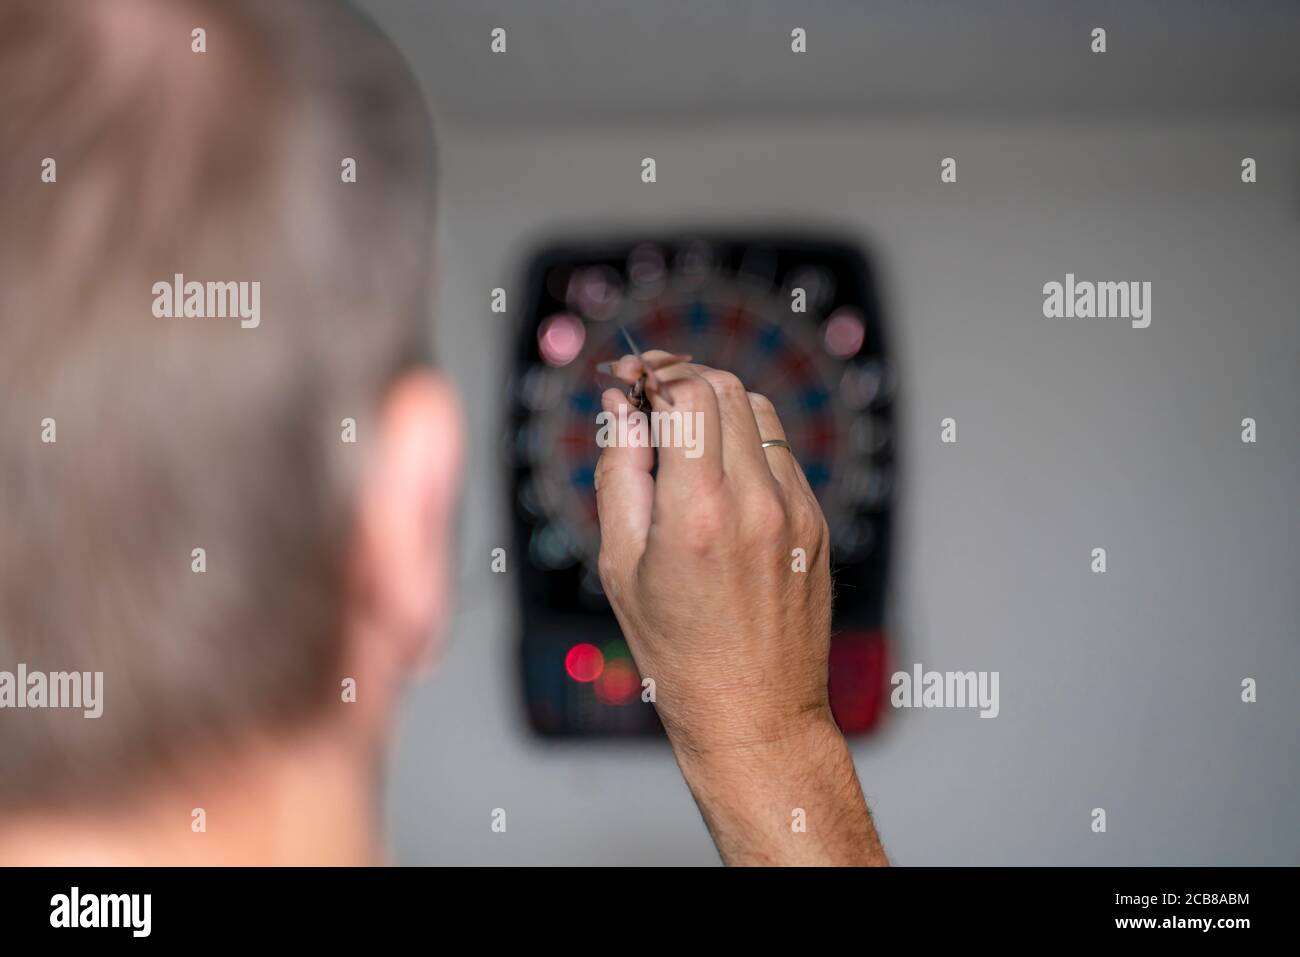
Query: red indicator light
{"type": "Point", "coordinates": [619, 684]}
{"type": "Point", "coordinates": [584, 663]}
{"type": "Point", "coordinates": [858, 680]}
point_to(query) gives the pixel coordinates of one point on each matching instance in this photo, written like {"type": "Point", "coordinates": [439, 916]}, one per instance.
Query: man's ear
{"type": "Point", "coordinates": [402, 562]}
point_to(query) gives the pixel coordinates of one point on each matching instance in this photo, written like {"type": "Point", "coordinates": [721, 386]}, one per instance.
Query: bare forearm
{"type": "Point", "coordinates": [794, 802]}
{"type": "Point", "coordinates": [695, 558]}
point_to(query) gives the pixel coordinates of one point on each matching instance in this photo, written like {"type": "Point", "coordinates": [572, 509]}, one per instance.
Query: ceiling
{"type": "Point", "coordinates": [589, 62]}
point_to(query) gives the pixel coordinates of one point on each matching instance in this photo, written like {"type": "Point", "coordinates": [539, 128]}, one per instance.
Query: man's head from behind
{"type": "Point", "coordinates": [226, 475]}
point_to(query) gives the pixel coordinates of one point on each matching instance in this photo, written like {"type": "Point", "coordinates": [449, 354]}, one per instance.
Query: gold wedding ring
{"type": "Point", "coordinates": [777, 443]}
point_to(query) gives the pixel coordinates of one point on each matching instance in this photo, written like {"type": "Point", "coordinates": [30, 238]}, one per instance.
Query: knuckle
{"type": "Point", "coordinates": [725, 384]}
{"type": "Point", "coordinates": [709, 518]}
{"type": "Point", "coordinates": [761, 403]}
{"type": "Point", "coordinates": [765, 516]}
{"type": "Point", "coordinates": [691, 391]}
{"type": "Point", "coordinates": [808, 520]}
{"type": "Point", "coordinates": [607, 568]}
{"type": "Point", "coordinates": [601, 473]}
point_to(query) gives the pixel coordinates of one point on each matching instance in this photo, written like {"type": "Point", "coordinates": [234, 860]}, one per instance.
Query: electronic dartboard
{"type": "Point", "coordinates": [797, 321]}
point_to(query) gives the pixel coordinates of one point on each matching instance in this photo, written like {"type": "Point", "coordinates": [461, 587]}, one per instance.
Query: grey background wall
{"type": "Point", "coordinates": [1120, 690]}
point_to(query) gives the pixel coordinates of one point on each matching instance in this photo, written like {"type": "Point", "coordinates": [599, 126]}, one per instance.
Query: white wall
{"type": "Point", "coordinates": [1119, 691]}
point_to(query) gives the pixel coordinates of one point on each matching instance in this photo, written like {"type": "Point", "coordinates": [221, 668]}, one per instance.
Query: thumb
{"type": "Point", "coordinates": [625, 489]}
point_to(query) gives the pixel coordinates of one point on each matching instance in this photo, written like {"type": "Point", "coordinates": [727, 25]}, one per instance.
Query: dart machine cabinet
{"type": "Point", "coordinates": [797, 320]}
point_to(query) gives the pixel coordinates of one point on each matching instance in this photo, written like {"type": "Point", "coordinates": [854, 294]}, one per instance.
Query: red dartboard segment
{"type": "Point", "coordinates": [662, 326]}
{"type": "Point", "coordinates": [796, 365]}
{"type": "Point", "coordinates": [578, 440]}
{"type": "Point", "coordinates": [823, 438]}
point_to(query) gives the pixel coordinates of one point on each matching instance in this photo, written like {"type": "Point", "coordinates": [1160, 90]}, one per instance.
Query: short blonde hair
{"type": "Point", "coordinates": [176, 434]}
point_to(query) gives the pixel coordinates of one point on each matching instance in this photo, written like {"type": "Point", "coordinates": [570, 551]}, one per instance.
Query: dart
{"type": "Point", "coordinates": [636, 393]}
{"type": "Point", "coordinates": [645, 378]}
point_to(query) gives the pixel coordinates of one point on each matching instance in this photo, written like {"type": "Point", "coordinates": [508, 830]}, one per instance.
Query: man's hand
{"type": "Point", "coordinates": [701, 565]}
